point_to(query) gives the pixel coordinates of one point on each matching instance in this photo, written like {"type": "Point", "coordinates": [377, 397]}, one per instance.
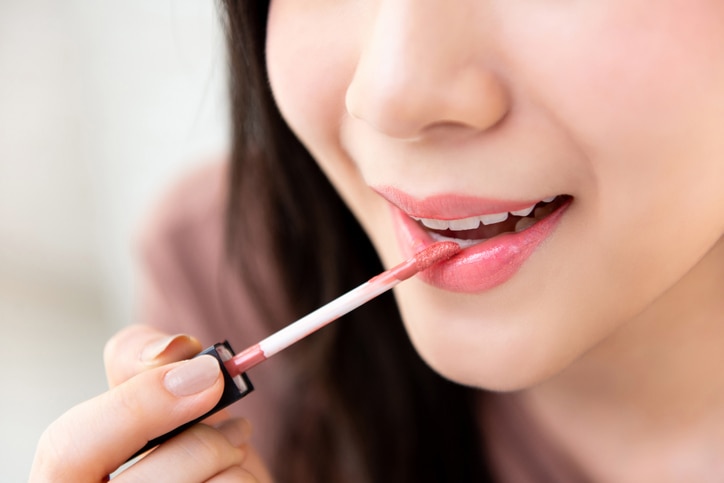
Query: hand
{"type": "Point", "coordinates": [149, 397]}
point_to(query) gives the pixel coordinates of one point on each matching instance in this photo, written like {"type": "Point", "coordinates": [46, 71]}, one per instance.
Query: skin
{"type": "Point", "coordinates": [608, 332]}
{"type": "Point", "coordinates": [91, 440]}
{"type": "Point", "coordinates": [608, 335]}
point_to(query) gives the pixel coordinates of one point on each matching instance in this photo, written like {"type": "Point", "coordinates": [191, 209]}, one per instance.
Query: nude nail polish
{"type": "Point", "coordinates": [192, 376]}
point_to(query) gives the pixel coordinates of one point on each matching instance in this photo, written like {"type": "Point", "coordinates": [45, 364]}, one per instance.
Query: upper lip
{"type": "Point", "coordinates": [451, 206]}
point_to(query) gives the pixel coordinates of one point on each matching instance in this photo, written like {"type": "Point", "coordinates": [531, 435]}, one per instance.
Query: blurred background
{"type": "Point", "coordinates": [102, 105]}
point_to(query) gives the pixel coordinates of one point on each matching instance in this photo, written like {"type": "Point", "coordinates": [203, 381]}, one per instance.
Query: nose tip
{"type": "Point", "coordinates": [425, 64]}
{"type": "Point", "coordinates": [407, 102]}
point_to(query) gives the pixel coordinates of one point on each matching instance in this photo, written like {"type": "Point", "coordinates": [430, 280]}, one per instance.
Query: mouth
{"type": "Point", "coordinates": [472, 230]}
{"type": "Point", "coordinates": [497, 237]}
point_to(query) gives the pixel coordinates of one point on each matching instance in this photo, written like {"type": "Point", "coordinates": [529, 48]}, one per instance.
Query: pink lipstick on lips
{"type": "Point", "coordinates": [492, 254]}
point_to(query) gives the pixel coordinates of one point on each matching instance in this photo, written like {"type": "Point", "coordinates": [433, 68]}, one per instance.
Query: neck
{"type": "Point", "coordinates": [654, 387]}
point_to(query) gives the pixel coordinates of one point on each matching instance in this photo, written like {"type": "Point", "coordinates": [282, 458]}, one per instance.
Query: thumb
{"type": "Point", "coordinates": [94, 438]}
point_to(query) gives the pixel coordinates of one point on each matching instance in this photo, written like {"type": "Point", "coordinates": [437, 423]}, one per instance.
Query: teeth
{"type": "Point", "coordinates": [473, 222]}
{"type": "Point", "coordinates": [464, 224]}
{"type": "Point", "coordinates": [524, 211]}
{"type": "Point", "coordinates": [494, 218]}
{"type": "Point", "coordinates": [435, 224]}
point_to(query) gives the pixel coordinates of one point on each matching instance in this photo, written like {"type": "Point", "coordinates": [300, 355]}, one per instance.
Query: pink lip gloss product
{"type": "Point", "coordinates": [308, 324]}
{"type": "Point", "coordinates": [234, 367]}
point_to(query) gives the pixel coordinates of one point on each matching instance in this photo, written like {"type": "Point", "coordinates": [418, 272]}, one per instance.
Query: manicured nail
{"type": "Point", "coordinates": [192, 376]}
{"type": "Point", "coordinates": [156, 349]}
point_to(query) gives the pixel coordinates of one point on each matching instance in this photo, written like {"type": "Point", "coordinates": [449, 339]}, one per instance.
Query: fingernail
{"type": "Point", "coordinates": [192, 376]}
{"type": "Point", "coordinates": [156, 349]}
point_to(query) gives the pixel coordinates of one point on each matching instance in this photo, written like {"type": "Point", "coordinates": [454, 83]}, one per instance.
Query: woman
{"type": "Point", "coordinates": [572, 148]}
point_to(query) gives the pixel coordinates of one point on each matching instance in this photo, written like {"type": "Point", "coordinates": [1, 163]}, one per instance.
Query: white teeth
{"type": "Point", "coordinates": [473, 222]}
{"type": "Point", "coordinates": [465, 224]}
{"type": "Point", "coordinates": [524, 211]}
{"type": "Point", "coordinates": [494, 218]}
{"type": "Point", "coordinates": [434, 224]}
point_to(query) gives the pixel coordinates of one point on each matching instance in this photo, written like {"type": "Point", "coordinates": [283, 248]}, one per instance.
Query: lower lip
{"type": "Point", "coordinates": [482, 266]}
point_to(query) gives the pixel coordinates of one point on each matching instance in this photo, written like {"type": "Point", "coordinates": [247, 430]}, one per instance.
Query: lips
{"type": "Point", "coordinates": [498, 236]}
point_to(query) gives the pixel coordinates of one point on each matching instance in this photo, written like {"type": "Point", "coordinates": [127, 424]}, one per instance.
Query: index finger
{"type": "Point", "coordinates": [138, 348]}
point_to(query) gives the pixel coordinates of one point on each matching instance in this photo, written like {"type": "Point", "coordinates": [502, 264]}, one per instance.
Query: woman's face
{"type": "Point", "coordinates": [464, 112]}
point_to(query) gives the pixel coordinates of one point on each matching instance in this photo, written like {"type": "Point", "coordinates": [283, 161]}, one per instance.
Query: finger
{"type": "Point", "coordinates": [218, 417]}
{"type": "Point", "coordinates": [236, 430]}
{"type": "Point", "coordinates": [195, 455]}
{"type": "Point", "coordinates": [138, 348]}
{"type": "Point", "coordinates": [235, 474]}
{"type": "Point", "coordinates": [254, 464]}
{"type": "Point", "coordinates": [94, 438]}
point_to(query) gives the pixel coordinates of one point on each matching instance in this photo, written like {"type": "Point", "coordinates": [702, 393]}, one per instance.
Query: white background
{"type": "Point", "coordinates": [102, 104]}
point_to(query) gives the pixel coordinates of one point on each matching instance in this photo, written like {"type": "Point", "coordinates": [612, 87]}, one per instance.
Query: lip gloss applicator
{"type": "Point", "coordinates": [340, 306]}
{"type": "Point", "coordinates": [234, 367]}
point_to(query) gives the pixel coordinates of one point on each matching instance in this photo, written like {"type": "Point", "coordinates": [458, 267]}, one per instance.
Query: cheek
{"type": "Point", "coordinates": [618, 74]}
{"type": "Point", "coordinates": [310, 59]}
{"type": "Point", "coordinates": [312, 52]}
{"type": "Point", "coordinates": [641, 91]}
{"type": "Point", "coordinates": [299, 92]}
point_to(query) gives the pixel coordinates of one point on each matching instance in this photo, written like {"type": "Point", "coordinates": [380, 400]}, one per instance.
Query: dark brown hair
{"type": "Point", "coordinates": [368, 409]}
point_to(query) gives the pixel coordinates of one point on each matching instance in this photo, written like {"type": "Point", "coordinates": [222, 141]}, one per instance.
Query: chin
{"type": "Point", "coordinates": [501, 372]}
{"type": "Point", "coordinates": [503, 352]}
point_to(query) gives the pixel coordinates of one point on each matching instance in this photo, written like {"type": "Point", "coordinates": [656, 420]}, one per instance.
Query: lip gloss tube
{"type": "Point", "coordinates": [235, 388]}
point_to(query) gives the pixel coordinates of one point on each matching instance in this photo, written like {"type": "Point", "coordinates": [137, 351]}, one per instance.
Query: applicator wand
{"type": "Point", "coordinates": [234, 367]}
{"type": "Point", "coordinates": [340, 306]}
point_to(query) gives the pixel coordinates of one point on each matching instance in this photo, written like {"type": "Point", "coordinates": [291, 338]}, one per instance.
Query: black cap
{"type": "Point", "coordinates": [235, 388]}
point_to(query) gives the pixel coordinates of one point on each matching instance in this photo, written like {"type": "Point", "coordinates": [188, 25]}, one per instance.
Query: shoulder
{"type": "Point", "coordinates": [180, 250]}
{"type": "Point", "coordinates": [186, 282]}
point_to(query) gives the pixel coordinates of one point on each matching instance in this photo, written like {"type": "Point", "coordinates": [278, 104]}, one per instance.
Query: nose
{"type": "Point", "coordinates": [425, 64]}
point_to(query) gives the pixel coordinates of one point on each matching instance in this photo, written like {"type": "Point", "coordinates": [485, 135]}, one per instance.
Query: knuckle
{"type": "Point", "coordinates": [114, 346]}
{"type": "Point", "coordinates": [202, 445]}
{"type": "Point", "coordinates": [122, 353]}
{"type": "Point", "coordinates": [125, 401]}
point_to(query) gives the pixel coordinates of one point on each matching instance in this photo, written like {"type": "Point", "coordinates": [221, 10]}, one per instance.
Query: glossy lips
{"type": "Point", "coordinates": [483, 264]}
